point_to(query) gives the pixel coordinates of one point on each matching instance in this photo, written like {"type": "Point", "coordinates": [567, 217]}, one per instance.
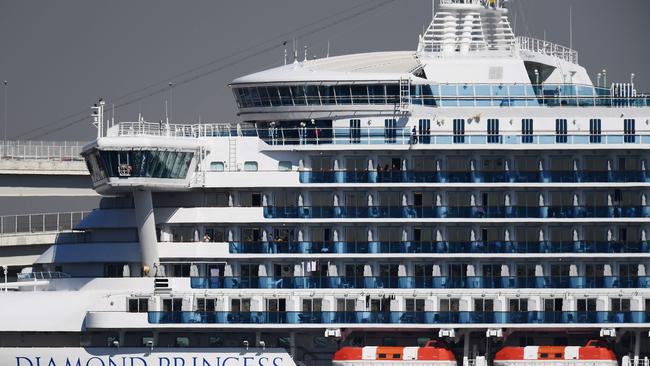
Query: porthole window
{"type": "Point", "coordinates": [250, 166]}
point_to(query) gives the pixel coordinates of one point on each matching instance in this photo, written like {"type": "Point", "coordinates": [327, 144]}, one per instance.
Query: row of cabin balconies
{"type": "Point", "coordinates": [426, 239]}
{"type": "Point", "coordinates": [450, 212]}
{"type": "Point", "coordinates": [438, 247]}
{"type": "Point", "coordinates": [396, 309]}
{"type": "Point", "coordinates": [442, 177]}
{"type": "Point", "coordinates": [428, 282]}
{"type": "Point", "coordinates": [570, 274]}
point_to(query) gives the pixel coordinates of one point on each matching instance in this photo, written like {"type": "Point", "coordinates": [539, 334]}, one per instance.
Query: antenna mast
{"type": "Point", "coordinates": [571, 26]}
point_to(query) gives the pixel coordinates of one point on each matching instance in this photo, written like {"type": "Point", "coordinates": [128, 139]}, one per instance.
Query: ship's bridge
{"type": "Point", "coordinates": [469, 56]}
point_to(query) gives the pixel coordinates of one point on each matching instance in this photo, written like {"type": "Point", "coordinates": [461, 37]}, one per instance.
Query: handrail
{"type": "Point", "coordinates": [548, 48]}
{"type": "Point", "coordinates": [310, 135]}
{"type": "Point", "coordinates": [41, 223]}
{"type": "Point", "coordinates": [41, 150]}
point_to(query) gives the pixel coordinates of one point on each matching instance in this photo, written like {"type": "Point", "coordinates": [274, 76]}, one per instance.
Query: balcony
{"type": "Point", "coordinates": [342, 177]}
{"type": "Point", "coordinates": [460, 212]}
{"type": "Point", "coordinates": [426, 318]}
{"type": "Point", "coordinates": [413, 282]}
{"type": "Point", "coordinates": [437, 247]}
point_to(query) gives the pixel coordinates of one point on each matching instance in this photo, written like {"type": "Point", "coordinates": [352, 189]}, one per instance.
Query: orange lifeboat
{"type": "Point", "coordinates": [595, 353]}
{"type": "Point", "coordinates": [434, 353]}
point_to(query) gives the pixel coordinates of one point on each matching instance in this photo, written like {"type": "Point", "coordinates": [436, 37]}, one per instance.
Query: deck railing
{"type": "Point", "coordinates": [40, 223]}
{"type": "Point", "coordinates": [547, 48]}
{"type": "Point", "coordinates": [41, 150]}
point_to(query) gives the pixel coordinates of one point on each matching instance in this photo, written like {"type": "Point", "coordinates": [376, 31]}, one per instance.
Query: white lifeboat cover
{"type": "Point", "coordinates": [530, 352]}
{"type": "Point", "coordinates": [410, 353]}
{"type": "Point", "coordinates": [571, 353]}
{"type": "Point", "coordinates": [369, 353]}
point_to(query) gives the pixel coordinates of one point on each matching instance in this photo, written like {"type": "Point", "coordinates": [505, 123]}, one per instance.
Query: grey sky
{"type": "Point", "coordinates": [59, 56]}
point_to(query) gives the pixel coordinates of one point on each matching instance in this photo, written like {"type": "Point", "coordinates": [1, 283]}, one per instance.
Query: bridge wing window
{"type": "Point", "coordinates": [144, 164]}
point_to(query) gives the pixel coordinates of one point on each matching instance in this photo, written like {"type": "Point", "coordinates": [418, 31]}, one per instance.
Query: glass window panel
{"type": "Point", "coordinates": [343, 94]}
{"type": "Point", "coordinates": [250, 166]}
{"type": "Point", "coordinates": [274, 96]}
{"type": "Point", "coordinates": [285, 166]}
{"type": "Point", "coordinates": [298, 93]}
{"type": "Point", "coordinates": [312, 95]}
{"type": "Point", "coordinates": [285, 96]}
{"type": "Point", "coordinates": [217, 166]}
{"type": "Point", "coordinates": [327, 94]}
{"type": "Point", "coordinates": [377, 94]}
{"type": "Point", "coordinates": [392, 93]}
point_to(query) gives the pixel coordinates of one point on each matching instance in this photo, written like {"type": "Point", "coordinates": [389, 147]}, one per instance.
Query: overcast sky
{"type": "Point", "coordinates": [60, 56]}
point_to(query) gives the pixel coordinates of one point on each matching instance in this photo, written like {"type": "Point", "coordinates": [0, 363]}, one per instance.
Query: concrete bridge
{"type": "Point", "coordinates": [36, 177]}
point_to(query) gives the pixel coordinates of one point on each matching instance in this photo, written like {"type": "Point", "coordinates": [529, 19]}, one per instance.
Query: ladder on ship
{"type": "Point", "coordinates": [404, 95]}
{"type": "Point", "coordinates": [232, 153]}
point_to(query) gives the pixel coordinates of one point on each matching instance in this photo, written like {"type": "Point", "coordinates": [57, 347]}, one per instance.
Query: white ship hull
{"type": "Point", "coordinates": [142, 357]}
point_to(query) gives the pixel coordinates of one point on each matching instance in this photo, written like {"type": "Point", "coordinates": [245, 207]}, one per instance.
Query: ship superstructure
{"type": "Point", "coordinates": [481, 190]}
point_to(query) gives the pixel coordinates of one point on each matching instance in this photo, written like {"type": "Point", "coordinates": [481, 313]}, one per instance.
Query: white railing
{"type": "Point", "coordinates": [41, 276]}
{"type": "Point", "coordinates": [172, 130]}
{"type": "Point", "coordinates": [547, 48]}
{"type": "Point", "coordinates": [486, 3]}
{"type": "Point", "coordinates": [41, 150]}
{"type": "Point", "coordinates": [40, 223]}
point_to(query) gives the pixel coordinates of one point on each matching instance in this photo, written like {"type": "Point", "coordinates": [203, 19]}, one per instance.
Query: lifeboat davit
{"type": "Point", "coordinates": [434, 353]}
{"type": "Point", "coordinates": [595, 353]}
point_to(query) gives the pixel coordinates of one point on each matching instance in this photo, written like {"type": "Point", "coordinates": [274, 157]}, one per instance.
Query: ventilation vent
{"type": "Point", "coordinates": [496, 73]}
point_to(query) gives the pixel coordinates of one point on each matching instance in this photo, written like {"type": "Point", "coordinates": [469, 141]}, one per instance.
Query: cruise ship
{"type": "Point", "coordinates": [479, 200]}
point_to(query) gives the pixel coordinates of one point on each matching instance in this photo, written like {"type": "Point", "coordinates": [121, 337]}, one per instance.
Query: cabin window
{"type": "Point", "coordinates": [183, 342]}
{"type": "Point", "coordinates": [139, 305]}
{"type": "Point", "coordinates": [561, 131]}
{"type": "Point", "coordinates": [285, 166]}
{"type": "Point", "coordinates": [172, 305]}
{"type": "Point", "coordinates": [414, 305]}
{"type": "Point", "coordinates": [424, 131]}
{"type": "Point", "coordinates": [355, 131]}
{"type": "Point", "coordinates": [312, 305]}
{"type": "Point", "coordinates": [217, 166]}
{"type": "Point", "coordinates": [493, 131]}
{"type": "Point", "coordinates": [390, 131]}
{"type": "Point", "coordinates": [595, 131]}
{"type": "Point", "coordinates": [527, 131]}
{"type": "Point", "coordinates": [113, 270]}
{"type": "Point", "coordinates": [240, 305]}
{"type": "Point", "coordinates": [250, 166]}
{"type": "Point", "coordinates": [206, 305]}
{"type": "Point", "coordinates": [620, 305]}
{"type": "Point", "coordinates": [346, 305]}
{"type": "Point", "coordinates": [518, 305]}
{"type": "Point", "coordinates": [629, 130]}
{"type": "Point", "coordinates": [459, 131]}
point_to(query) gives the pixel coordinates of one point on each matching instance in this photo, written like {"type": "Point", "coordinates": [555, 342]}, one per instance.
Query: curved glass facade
{"type": "Point", "coordinates": [139, 164]}
{"type": "Point", "coordinates": [434, 95]}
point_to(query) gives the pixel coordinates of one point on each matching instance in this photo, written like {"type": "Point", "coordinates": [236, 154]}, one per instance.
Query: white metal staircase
{"type": "Point", "coordinates": [232, 153]}
{"type": "Point", "coordinates": [404, 95]}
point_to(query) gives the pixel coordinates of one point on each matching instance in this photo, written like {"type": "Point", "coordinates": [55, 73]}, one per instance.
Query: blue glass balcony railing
{"type": "Point", "coordinates": [400, 317]}
{"type": "Point", "coordinates": [435, 247]}
{"type": "Point", "coordinates": [443, 212]}
{"type": "Point", "coordinates": [413, 282]}
{"type": "Point", "coordinates": [398, 176]}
